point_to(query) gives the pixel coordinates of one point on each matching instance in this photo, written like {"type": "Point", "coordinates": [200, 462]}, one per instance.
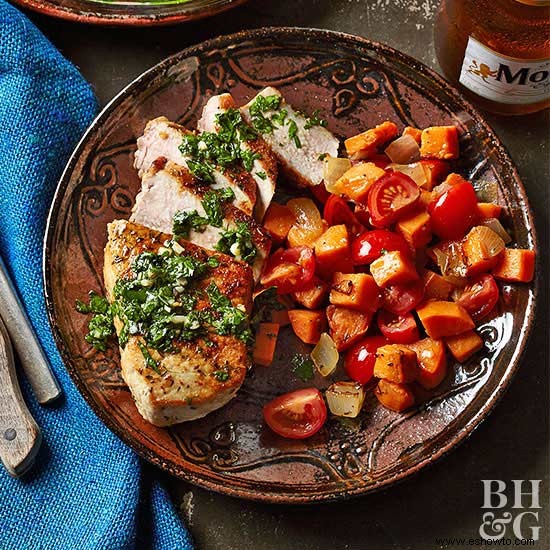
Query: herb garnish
{"type": "Point", "coordinates": [322, 156]}
{"type": "Point", "coordinates": [238, 242]}
{"type": "Point", "coordinates": [314, 120]}
{"type": "Point", "coordinates": [261, 175]}
{"type": "Point", "coordinates": [221, 375]}
{"type": "Point", "coordinates": [149, 361]}
{"type": "Point", "coordinates": [100, 326]}
{"type": "Point", "coordinates": [302, 367]}
{"type": "Point", "coordinates": [293, 133]}
{"type": "Point", "coordinates": [212, 203]}
{"type": "Point", "coordinates": [185, 222]}
{"type": "Point", "coordinates": [263, 104]}
{"type": "Point", "coordinates": [210, 150]}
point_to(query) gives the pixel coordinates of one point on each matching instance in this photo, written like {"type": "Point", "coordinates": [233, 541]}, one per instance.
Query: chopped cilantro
{"type": "Point", "coordinates": [221, 375]}
{"type": "Point", "coordinates": [248, 157]}
{"type": "Point", "coordinates": [314, 120]}
{"type": "Point", "coordinates": [383, 251]}
{"type": "Point", "coordinates": [212, 203]}
{"type": "Point", "coordinates": [238, 242]}
{"type": "Point", "coordinates": [263, 104]}
{"type": "Point", "coordinates": [149, 361]}
{"type": "Point", "coordinates": [185, 222]}
{"type": "Point", "coordinates": [279, 117]}
{"type": "Point", "coordinates": [302, 367]}
{"type": "Point", "coordinates": [100, 326]}
{"type": "Point", "coordinates": [261, 175]}
{"type": "Point", "coordinates": [293, 133]}
{"type": "Point", "coordinates": [322, 156]}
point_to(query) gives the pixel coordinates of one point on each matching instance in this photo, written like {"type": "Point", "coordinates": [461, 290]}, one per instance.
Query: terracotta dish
{"type": "Point", "coordinates": [355, 84]}
{"type": "Point", "coordinates": [134, 13]}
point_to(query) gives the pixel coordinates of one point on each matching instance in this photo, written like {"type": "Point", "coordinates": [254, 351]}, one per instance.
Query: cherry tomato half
{"type": "Point", "coordinates": [454, 211]}
{"type": "Point", "coordinates": [337, 212]}
{"type": "Point", "coordinates": [369, 245]}
{"type": "Point", "coordinates": [479, 297]}
{"type": "Point", "coordinates": [296, 415]}
{"type": "Point", "coordinates": [400, 329]}
{"type": "Point", "coordinates": [391, 197]}
{"type": "Point", "coordinates": [360, 359]}
{"type": "Point", "coordinates": [320, 193]}
{"type": "Point", "coordinates": [289, 270]}
{"type": "Point", "coordinates": [400, 299]}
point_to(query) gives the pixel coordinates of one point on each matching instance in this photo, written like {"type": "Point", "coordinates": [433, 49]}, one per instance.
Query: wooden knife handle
{"type": "Point", "coordinates": [20, 436]}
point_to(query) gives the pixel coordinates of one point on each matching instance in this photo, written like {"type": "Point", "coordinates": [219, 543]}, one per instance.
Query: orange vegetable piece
{"type": "Point", "coordinates": [265, 344]}
{"type": "Point", "coordinates": [432, 362]}
{"type": "Point", "coordinates": [454, 179]}
{"type": "Point", "coordinates": [416, 229]}
{"type": "Point", "coordinates": [355, 290]}
{"type": "Point", "coordinates": [489, 210]}
{"type": "Point", "coordinates": [425, 199]}
{"type": "Point", "coordinates": [356, 182]}
{"type": "Point", "coordinates": [396, 397]}
{"type": "Point", "coordinates": [347, 325]}
{"type": "Point", "coordinates": [277, 221]}
{"type": "Point", "coordinates": [366, 144]}
{"type": "Point", "coordinates": [393, 268]}
{"type": "Point", "coordinates": [395, 362]}
{"type": "Point", "coordinates": [415, 133]}
{"type": "Point", "coordinates": [463, 346]}
{"type": "Point", "coordinates": [280, 316]}
{"type": "Point", "coordinates": [308, 225]}
{"type": "Point", "coordinates": [308, 325]}
{"type": "Point", "coordinates": [313, 296]}
{"type": "Point", "coordinates": [436, 287]}
{"type": "Point", "coordinates": [476, 253]}
{"type": "Point", "coordinates": [516, 264]}
{"type": "Point", "coordinates": [282, 271]}
{"type": "Point", "coordinates": [332, 251]}
{"type": "Point", "coordinates": [441, 319]}
{"type": "Point", "coordinates": [435, 171]}
{"type": "Point", "coordinates": [440, 142]}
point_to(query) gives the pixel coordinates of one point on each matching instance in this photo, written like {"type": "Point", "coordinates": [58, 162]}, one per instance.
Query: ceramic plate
{"type": "Point", "coordinates": [130, 12]}
{"type": "Point", "coordinates": [355, 84]}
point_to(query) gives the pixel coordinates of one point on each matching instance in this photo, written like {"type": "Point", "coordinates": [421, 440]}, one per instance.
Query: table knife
{"type": "Point", "coordinates": [20, 436]}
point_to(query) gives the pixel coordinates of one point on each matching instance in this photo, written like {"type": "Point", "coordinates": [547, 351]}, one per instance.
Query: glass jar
{"type": "Point", "coordinates": [497, 51]}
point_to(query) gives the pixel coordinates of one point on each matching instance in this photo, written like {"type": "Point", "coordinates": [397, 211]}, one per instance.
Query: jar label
{"type": "Point", "coordinates": [504, 79]}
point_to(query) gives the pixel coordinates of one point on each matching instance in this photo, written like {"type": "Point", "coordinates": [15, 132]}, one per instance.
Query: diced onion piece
{"type": "Point", "coordinates": [486, 191]}
{"type": "Point", "coordinates": [308, 226]}
{"type": "Point", "coordinates": [177, 248]}
{"type": "Point", "coordinates": [438, 190]}
{"type": "Point", "coordinates": [325, 355]}
{"type": "Point", "coordinates": [496, 226]}
{"type": "Point", "coordinates": [403, 150]}
{"type": "Point", "coordinates": [345, 398]}
{"type": "Point", "coordinates": [450, 261]}
{"type": "Point", "coordinates": [493, 242]}
{"type": "Point", "coordinates": [415, 171]}
{"type": "Point", "coordinates": [334, 168]}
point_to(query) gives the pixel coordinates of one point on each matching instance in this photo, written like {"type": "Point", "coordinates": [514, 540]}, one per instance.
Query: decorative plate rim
{"type": "Point", "coordinates": [96, 17]}
{"type": "Point", "coordinates": [256, 493]}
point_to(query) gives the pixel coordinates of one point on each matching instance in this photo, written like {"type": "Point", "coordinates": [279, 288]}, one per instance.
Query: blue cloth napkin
{"type": "Point", "coordinates": [88, 490]}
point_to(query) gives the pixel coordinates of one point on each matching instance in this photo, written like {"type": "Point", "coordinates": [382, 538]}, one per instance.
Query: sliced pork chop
{"type": "Point", "coordinates": [168, 188]}
{"type": "Point", "coordinates": [303, 164]}
{"type": "Point", "coordinates": [264, 169]}
{"type": "Point", "coordinates": [162, 138]}
{"type": "Point", "coordinates": [186, 386]}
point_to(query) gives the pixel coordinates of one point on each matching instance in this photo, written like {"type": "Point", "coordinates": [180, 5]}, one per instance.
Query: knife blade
{"type": "Point", "coordinates": [31, 357]}
{"type": "Point", "coordinates": [20, 436]}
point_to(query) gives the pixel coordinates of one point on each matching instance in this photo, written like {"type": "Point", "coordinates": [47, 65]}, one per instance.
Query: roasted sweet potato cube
{"type": "Point", "coordinates": [432, 362]}
{"type": "Point", "coordinates": [439, 142]}
{"type": "Point", "coordinates": [308, 325]}
{"type": "Point", "coordinates": [314, 295]}
{"type": "Point", "coordinates": [332, 251]}
{"type": "Point", "coordinates": [355, 290]}
{"type": "Point", "coordinates": [277, 222]}
{"type": "Point", "coordinates": [416, 229]}
{"type": "Point", "coordinates": [393, 268]}
{"type": "Point", "coordinates": [516, 265]}
{"type": "Point", "coordinates": [415, 133]}
{"type": "Point", "coordinates": [366, 144]}
{"type": "Point", "coordinates": [454, 179]}
{"type": "Point", "coordinates": [464, 345]}
{"type": "Point", "coordinates": [435, 170]}
{"type": "Point", "coordinates": [347, 325]}
{"type": "Point", "coordinates": [489, 210]}
{"type": "Point", "coordinates": [441, 319]}
{"type": "Point", "coordinates": [435, 286]}
{"type": "Point", "coordinates": [396, 397]}
{"type": "Point", "coordinates": [395, 362]}
{"type": "Point", "coordinates": [265, 344]}
{"type": "Point", "coordinates": [476, 248]}
{"type": "Point", "coordinates": [356, 182]}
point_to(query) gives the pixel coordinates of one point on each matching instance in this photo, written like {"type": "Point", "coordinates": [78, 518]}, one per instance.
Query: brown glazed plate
{"type": "Point", "coordinates": [130, 12]}
{"type": "Point", "coordinates": [355, 84]}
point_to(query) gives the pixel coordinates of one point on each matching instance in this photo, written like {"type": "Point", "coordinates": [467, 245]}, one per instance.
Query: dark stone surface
{"type": "Point", "coordinates": [445, 499]}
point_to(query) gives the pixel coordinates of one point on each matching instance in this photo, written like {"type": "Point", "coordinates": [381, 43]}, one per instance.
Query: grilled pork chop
{"type": "Point", "coordinates": [187, 385]}
{"type": "Point", "coordinates": [168, 188]}
{"type": "Point", "coordinates": [302, 164]}
{"type": "Point", "coordinates": [264, 169]}
{"type": "Point", "coordinates": [162, 138]}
